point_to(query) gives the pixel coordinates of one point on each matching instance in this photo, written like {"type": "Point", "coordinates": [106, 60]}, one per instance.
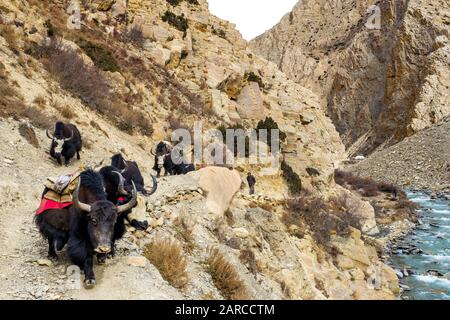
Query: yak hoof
{"type": "Point", "coordinates": [101, 258]}
{"type": "Point", "coordinates": [89, 283]}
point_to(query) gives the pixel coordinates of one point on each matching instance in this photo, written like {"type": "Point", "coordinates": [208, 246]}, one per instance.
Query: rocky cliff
{"type": "Point", "coordinates": [132, 73]}
{"type": "Point", "coordinates": [380, 80]}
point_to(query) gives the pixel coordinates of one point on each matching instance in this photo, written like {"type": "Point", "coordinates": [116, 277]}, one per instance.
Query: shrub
{"type": "Point", "coordinates": [50, 28]}
{"type": "Point", "coordinates": [269, 124]}
{"type": "Point", "coordinates": [101, 57]}
{"type": "Point", "coordinates": [40, 101]}
{"type": "Point", "coordinates": [366, 186]}
{"type": "Point", "coordinates": [323, 219]}
{"type": "Point", "coordinates": [223, 130]}
{"type": "Point", "coordinates": [168, 257]}
{"type": "Point", "coordinates": [252, 77]}
{"type": "Point", "coordinates": [225, 277]}
{"type": "Point", "coordinates": [179, 22]}
{"type": "Point", "coordinates": [174, 2]}
{"type": "Point", "coordinates": [67, 112]}
{"type": "Point", "coordinates": [292, 179]}
{"type": "Point", "coordinates": [86, 82]}
{"type": "Point", "coordinates": [219, 32]}
{"type": "Point", "coordinates": [184, 228]}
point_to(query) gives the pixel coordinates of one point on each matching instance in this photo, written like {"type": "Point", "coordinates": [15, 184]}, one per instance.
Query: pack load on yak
{"type": "Point", "coordinates": [58, 192]}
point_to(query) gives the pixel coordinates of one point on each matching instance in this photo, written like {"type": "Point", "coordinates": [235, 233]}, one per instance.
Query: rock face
{"type": "Point", "coordinates": [379, 85]}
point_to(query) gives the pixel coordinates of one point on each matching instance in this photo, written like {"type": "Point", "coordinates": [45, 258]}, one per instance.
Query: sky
{"type": "Point", "coordinates": [252, 17]}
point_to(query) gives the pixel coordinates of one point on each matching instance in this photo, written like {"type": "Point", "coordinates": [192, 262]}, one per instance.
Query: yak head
{"type": "Point", "coordinates": [101, 218]}
{"type": "Point", "coordinates": [161, 151]}
{"type": "Point", "coordinates": [57, 145]}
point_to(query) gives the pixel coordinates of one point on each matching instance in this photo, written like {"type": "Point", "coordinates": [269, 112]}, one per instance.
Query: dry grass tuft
{"type": "Point", "coordinates": [225, 277]}
{"type": "Point", "coordinates": [185, 227]}
{"type": "Point", "coordinates": [40, 101]}
{"type": "Point", "coordinates": [168, 257]}
{"type": "Point", "coordinates": [67, 112]}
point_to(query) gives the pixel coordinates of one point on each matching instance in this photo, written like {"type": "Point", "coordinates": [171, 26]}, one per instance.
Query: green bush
{"type": "Point", "coordinates": [252, 77]}
{"type": "Point", "coordinates": [219, 33]}
{"type": "Point", "coordinates": [269, 124]}
{"type": "Point", "coordinates": [50, 28]}
{"type": "Point", "coordinates": [101, 57]}
{"type": "Point", "coordinates": [177, 2]}
{"type": "Point", "coordinates": [292, 179]}
{"type": "Point", "coordinates": [179, 22]}
{"type": "Point", "coordinates": [223, 129]}
{"type": "Point", "coordinates": [174, 2]}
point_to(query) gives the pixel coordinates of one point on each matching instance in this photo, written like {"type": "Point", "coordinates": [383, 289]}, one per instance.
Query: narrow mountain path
{"type": "Point", "coordinates": [25, 271]}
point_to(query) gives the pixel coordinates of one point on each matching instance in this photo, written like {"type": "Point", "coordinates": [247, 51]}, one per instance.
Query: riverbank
{"type": "Point", "coordinates": [422, 257]}
{"type": "Point", "coordinates": [421, 161]}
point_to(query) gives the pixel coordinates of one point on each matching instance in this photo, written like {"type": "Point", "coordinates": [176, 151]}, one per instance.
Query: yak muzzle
{"type": "Point", "coordinates": [103, 249]}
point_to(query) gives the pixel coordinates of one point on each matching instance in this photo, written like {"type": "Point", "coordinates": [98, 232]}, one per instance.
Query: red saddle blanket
{"type": "Point", "coordinates": [47, 204]}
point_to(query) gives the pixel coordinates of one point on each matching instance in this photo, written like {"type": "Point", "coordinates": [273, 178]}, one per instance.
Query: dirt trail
{"type": "Point", "coordinates": [23, 170]}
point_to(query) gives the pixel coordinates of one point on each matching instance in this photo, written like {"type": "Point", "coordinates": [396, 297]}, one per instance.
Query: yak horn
{"type": "Point", "coordinates": [70, 138]}
{"type": "Point", "coordinates": [48, 135]}
{"type": "Point", "coordinates": [120, 188]}
{"type": "Point", "coordinates": [155, 186]}
{"type": "Point", "coordinates": [77, 203]}
{"type": "Point", "coordinates": [130, 205]}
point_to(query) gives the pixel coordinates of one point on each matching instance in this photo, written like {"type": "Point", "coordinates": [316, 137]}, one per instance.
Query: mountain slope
{"type": "Point", "coordinates": [378, 85]}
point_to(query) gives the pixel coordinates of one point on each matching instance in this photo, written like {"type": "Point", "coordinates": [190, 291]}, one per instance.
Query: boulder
{"type": "Point", "coordinates": [220, 185]}
{"type": "Point", "coordinates": [250, 102]}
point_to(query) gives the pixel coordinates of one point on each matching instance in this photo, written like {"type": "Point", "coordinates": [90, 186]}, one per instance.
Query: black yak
{"type": "Point", "coordinates": [164, 158]}
{"type": "Point", "coordinates": [66, 142]}
{"type": "Point", "coordinates": [118, 190]}
{"type": "Point", "coordinates": [87, 226]}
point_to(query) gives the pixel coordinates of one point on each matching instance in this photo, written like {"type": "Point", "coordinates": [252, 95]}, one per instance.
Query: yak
{"type": "Point", "coordinates": [130, 171]}
{"type": "Point", "coordinates": [118, 191]}
{"type": "Point", "coordinates": [87, 226]}
{"type": "Point", "coordinates": [164, 159]}
{"type": "Point", "coordinates": [66, 142]}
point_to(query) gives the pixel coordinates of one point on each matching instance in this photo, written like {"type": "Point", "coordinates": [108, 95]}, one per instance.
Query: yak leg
{"type": "Point", "coordinates": [89, 277]}
{"type": "Point", "coordinates": [51, 248]}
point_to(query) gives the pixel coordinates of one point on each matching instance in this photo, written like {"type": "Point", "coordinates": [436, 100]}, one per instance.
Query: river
{"type": "Point", "coordinates": [428, 266]}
